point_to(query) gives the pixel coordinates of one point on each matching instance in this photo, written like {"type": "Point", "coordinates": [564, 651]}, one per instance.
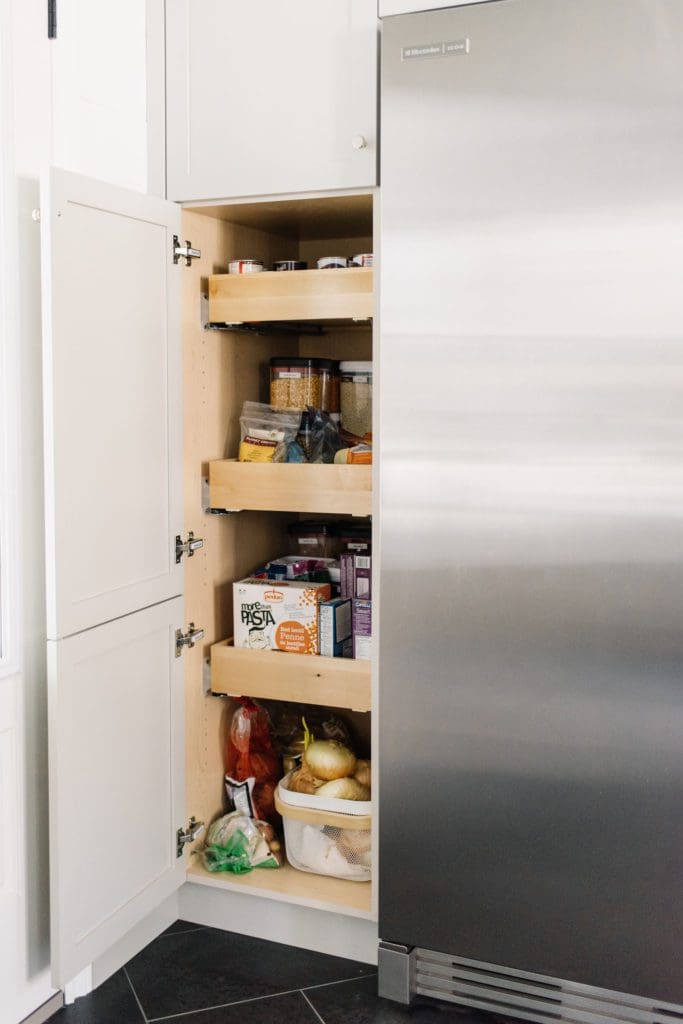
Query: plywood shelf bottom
{"type": "Point", "coordinates": [287, 885]}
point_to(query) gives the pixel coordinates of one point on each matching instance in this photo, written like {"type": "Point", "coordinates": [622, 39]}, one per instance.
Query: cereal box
{"type": "Point", "coordinates": [278, 616]}
{"type": "Point", "coordinates": [334, 628]}
{"type": "Point", "coordinates": [362, 629]}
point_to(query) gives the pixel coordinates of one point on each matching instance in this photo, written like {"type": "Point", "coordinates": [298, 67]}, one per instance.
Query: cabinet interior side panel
{"type": "Point", "coordinates": [221, 370]}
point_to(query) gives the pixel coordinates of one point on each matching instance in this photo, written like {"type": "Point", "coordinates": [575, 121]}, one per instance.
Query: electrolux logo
{"type": "Point", "coordinates": [426, 51]}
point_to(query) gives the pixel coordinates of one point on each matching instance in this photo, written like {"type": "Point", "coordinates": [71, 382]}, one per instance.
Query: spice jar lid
{"type": "Point", "coordinates": [328, 364]}
{"type": "Point", "coordinates": [359, 367]}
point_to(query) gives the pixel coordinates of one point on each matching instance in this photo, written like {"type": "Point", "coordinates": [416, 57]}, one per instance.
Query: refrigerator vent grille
{"type": "Point", "coordinates": [532, 997]}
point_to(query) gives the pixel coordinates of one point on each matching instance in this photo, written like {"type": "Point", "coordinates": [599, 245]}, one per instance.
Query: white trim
{"type": "Point", "coordinates": [10, 539]}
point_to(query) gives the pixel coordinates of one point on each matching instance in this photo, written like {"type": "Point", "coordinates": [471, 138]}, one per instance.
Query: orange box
{"type": "Point", "coordinates": [281, 616]}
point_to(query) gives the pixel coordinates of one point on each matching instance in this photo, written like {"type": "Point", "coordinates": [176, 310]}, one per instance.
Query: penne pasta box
{"type": "Point", "coordinates": [278, 616]}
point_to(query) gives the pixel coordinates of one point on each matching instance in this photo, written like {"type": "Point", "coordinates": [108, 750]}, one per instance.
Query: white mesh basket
{"type": "Point", "coordinates": [323, 839]}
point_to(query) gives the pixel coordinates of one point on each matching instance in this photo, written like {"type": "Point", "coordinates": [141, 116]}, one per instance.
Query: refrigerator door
{"type": "Point", "coordinates": [531, 426]}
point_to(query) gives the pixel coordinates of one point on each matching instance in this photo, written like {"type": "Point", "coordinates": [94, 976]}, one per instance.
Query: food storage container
{"type": "Point", "coordinates": [325, 836]}
{"type": "Point", "coordinates": [332, 263]}
{"type": "Point", "coordinates": [329, 385]}
{"type": "Point", "coordinates": [290, 265]}
{"type": "Point", "coordinates": [355, 390]}
{"type": "Point", "coordinates": [245, 266]}
{"type": "Point", "coordinates": [363, 259]}
{"type": "Point", "coordinates": [355, 538]}
{"type": "Point", "coordinates": [314, 539]}
{"type": "Point", "coordinates": [295, 382]}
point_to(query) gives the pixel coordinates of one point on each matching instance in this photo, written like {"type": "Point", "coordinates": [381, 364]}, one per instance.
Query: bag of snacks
{"type": "Point", "coordinates": [266, 433]}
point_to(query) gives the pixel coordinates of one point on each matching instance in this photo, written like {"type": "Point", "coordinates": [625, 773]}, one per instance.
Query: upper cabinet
{"type": "Point", "coordinates": [268, 97]}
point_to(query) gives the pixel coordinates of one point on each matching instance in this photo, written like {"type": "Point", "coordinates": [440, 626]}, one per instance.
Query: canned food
{"type": "Point", "coordinates": [331, 262]}
{"type": "Point", "coordinates": [245, 266]}
{"type": "Point", "coordinates": [290, 265]}
{"type": "Point", "coordinates": [363, 259]}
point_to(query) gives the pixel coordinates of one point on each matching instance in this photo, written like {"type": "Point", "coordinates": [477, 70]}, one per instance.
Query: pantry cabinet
{"type": "Point", "coordinates": [265, 97]}
{"type": "Point", "coordinates": [145, 378]}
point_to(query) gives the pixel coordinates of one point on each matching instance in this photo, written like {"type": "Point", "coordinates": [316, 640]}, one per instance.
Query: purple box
{"type": "Point", "coordinates": [362, 630]}
{"type": "Point", "coordinates": [346, 562]}
{"type": "Point", "coordinates": [362, 577]}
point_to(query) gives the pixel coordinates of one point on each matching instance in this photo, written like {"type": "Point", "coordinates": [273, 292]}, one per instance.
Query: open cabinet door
{"type": "Point", "coordinates": [113, 450]}
{"type": "Point", "coordinates": [112, 393]}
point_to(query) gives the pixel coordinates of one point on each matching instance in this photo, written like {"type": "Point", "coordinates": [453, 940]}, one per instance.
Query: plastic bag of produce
{"type": "Point", "coordinates": [240, 844]}
{"type": "Point", "coordinates": [251, 759]}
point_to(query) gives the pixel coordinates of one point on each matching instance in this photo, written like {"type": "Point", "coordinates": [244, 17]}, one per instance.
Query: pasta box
{"type": "Point", "coordinates": [278, 616]}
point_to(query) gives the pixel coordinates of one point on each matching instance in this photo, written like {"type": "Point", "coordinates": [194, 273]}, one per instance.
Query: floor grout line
{"type": "Point", "coordinates": [342, 981]}
{"type": "Point", "coordinates": [137, 998]}
{"type": "Point", "coordinates": [223, 1006]}
{"type": "Point", "coordinates": [252, 999]}
{"type": "Point", "coordinates": [312, 1007]}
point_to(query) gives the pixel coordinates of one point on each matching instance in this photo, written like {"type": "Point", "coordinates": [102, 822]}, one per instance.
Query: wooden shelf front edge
{"type": "Point", "coordinates": [288, 885]}
{"type": "Point", "coordinates": [301, 678]}
{"type": "Point", "coordinates": [290, 487]}
{"type": "Point", "coordinates": [294, 295]}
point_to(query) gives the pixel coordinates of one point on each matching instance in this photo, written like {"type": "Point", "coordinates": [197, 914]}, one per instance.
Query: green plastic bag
{"type": "Point", "coordinates": [234, 843]}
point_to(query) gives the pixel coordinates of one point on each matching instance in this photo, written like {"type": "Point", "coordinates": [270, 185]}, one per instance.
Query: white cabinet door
{"type": "Point", "coordinates": [116, 780]}
{"type": "Point", "coordinates": [269, 97]}
{"type": "Point", "coordinates": [113, 401]}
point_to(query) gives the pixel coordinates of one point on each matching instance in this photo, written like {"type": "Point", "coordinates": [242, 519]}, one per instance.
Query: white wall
{"type": "Point", "coordinates": [79, 102]}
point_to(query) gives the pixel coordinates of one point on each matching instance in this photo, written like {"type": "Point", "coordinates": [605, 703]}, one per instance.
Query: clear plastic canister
{"type": "Point", "coordinates": [329, 383]}
{"type": "Point", "coordinates": [356, 397]}
{"type": "Point", "coordinates": [295, 383]}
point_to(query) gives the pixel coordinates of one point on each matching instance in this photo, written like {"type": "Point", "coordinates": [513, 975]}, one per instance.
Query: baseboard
{"type": "Point", "coordinates": [135, 940]}
{"type": "Point", "coordinates": [320, 930]}
{"type": "Point", "coordinates": [44, 1012]}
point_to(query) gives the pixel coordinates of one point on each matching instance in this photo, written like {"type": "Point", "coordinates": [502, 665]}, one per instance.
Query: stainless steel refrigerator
{"type": "Point", "coordinates": [531, 508]}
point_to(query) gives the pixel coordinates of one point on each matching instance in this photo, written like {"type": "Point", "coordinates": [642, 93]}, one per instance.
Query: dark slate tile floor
{"type": "Point", "coordinates": [196, 975]}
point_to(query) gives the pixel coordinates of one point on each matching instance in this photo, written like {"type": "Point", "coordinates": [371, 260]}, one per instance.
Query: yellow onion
{"type": "Point", "coordinates": [329, 759]}
{"type": "Point", "coordinates": [344, 789]}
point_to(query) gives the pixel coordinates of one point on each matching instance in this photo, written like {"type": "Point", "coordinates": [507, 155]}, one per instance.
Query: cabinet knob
{"type": "Point", "coordinates": [359, 142]}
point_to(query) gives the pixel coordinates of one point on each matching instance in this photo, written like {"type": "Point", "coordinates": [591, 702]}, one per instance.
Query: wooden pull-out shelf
{"type": "Point", "coordinates": [344, 294]}
{"type": "Point", "coordinates": [287, 885]}
{"type": "Point", "coordinates": [301, 678]}
{"type": "Point", "coordinates": [290, 487]}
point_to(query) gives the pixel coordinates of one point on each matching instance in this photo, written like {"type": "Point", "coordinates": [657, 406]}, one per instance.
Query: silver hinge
{"type": "Point", "coordinates": [184, 252]}
{"type": "Point", "coordinates": [188, 639]}
{"type": "Point", "coordinates": [187, 547]}
{"type": "Point", "coordinates": [188, 835]}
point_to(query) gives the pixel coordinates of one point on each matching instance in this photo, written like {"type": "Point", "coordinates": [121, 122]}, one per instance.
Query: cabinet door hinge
{"type": "Point", "coordinates": [188, 639]}
{"type": "Point", "coordinates": [184, 252]}
{"type": "Point", "coordinates": [51, 19]}
{"type": "Point", "coordinates": [188, 835]}
{"type": "Point", "coordinates": [187, 547]}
